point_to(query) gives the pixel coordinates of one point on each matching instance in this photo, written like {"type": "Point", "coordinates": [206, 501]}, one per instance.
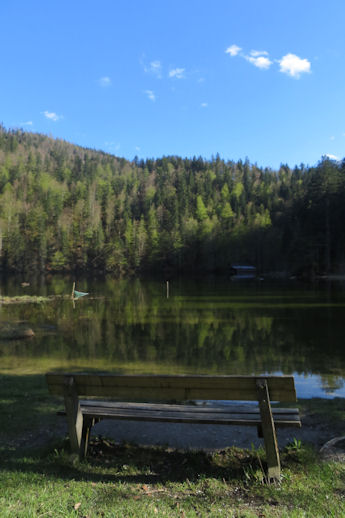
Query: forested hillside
{"type": "Point", "coordinates": [66, 208]}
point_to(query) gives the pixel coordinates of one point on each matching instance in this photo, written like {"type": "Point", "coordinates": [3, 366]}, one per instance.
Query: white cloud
{"type": "Point", "coordinates": [332, 137]}
{"type": "Point", "coordinates": [233, 50]}
{"type": "Point", "coordinates": [256, 53]}
{"type": "Point", "coordinates": [262, 62]}
{"type": "Point", "coordinates": [204, 105]}
{"type": "Point", "coordinates": [177, 72]}
{"type": "Point", "coordinates": [104, 81]}
{"type": "Point", "coordinates": [150, 94]}
{"type": "Point", "coordinates": [137, 148]}
{"type": "Point", "coordinates": [331, 157]}
{"type": "Point", "coordinates": [27, 123]}
{"type": "Point", "coordinates": [290, 64]}
{"type": "Point", "coordinates": [294, 66]}
{"type": "Point", "coordinates": [154, 68]}
{"type": "Point", "coordinates": [52, 116]}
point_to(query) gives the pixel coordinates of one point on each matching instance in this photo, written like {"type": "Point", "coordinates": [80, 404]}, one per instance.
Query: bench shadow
{"type": "Point", "coordinates": [27, 410]}
{"type": "Point", "coordinates": [129, 463]}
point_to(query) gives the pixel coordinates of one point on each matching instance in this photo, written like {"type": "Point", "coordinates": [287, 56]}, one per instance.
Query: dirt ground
{"type": "Point", "coordinates": [315, 430]}
{"type": "Point", "coordinates": [193, 436]}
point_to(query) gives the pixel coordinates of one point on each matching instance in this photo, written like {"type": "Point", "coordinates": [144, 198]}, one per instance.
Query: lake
{"type": "Point", "coordinates": [215, 326]}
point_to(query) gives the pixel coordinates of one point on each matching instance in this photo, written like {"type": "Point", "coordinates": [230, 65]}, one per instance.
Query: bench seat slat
{"type": "Point", "coordinates": [244, 419]}
{"type": "Point", "coordinates": [238, 409]}
{"type": "Point", "coordinates": [186, 414]}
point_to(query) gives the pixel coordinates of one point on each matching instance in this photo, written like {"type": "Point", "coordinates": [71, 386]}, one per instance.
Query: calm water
{"type": "Point", "coordinates": [208, 326]}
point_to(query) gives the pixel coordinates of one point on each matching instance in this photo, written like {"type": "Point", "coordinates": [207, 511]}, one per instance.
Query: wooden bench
{"type": "Point", "coordinates": [130, 392]}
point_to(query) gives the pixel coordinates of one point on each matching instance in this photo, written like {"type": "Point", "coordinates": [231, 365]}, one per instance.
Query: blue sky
{"type": "Point", "coordinates": [242, 78]}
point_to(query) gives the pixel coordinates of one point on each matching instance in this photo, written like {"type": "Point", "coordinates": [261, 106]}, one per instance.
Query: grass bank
{"type": "Point", "coordinates": [38, 476]}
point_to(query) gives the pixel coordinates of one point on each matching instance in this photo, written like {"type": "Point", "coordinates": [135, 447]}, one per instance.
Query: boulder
{"type": "Point", "coordinates": [15, 332]}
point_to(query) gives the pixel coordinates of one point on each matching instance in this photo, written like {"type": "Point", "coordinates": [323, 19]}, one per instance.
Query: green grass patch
{"type": "Point", "coordinates": [125, 481]}
{"type": "Point", "coordinates": [331, 411]}
{"type": "Point", "coordinates": [26, 408]}
{"type": "Point", "coordinates": [26, 299]}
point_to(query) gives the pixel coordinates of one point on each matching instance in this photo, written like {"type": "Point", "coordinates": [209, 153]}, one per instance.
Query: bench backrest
{"type": "Point", "coordinates": [168, 388]}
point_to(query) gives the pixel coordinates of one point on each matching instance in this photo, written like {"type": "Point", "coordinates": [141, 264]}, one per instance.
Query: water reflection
{"type": "Point", "coordinates": [209, 327]}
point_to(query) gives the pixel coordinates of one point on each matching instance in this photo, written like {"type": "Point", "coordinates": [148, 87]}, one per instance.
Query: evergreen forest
{"type": "Point", "coordinates": [64, 208]}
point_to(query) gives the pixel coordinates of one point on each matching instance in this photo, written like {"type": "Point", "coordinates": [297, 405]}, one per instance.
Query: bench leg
{"type": "Point", "coordinates": [268, 430]}
{"type": "Point", "coordinates": [73, 414]}
{"type": "Point", "coordinates": [88, 424]}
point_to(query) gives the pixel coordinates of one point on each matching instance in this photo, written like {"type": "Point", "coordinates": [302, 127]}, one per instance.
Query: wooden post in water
{"type": "Point", "coordinates": [72, 296]}
{"type": "Point", "coordinates": [167, 289]}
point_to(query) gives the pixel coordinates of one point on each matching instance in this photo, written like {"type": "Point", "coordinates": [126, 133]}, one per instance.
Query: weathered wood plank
{"type": "Point", "coordinates": [197, 409]}
{"type": "Point", "coordinates": [185, 417]}
{"type": "Point", "coordinates": [179, 413]}
{"type": "Point", "coordinates": [281, 388]}
{"type": "Point", "coordinates": [240, 421]}
{"type": "Point", "coordinates": [113, 406]}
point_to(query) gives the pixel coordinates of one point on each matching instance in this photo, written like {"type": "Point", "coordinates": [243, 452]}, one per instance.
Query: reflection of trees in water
{"type": "Point", "coordinates": [330, 383]}
{"type": "Point", "coordinates": [134, 322]}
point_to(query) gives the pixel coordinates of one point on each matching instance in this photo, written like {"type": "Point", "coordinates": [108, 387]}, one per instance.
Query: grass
{"type": "Point", "coordinates": [40, 478]}
{"type": "Point", "coordinates": [25, 299]}
{"type": "Point", "coordinates": [331, 411]}
{"type": "Point", "coordinates": [130, 481]}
